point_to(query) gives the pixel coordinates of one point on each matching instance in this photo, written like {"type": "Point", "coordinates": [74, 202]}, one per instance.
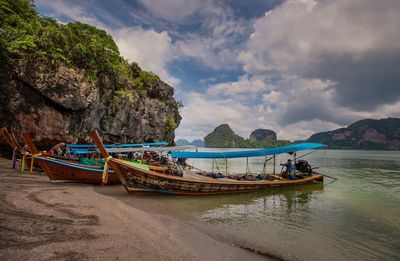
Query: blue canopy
{"type": "Point", "coordinates": [123, 145]}
{"type": "Point", "coordinates": [247, 153]}
{"type": "Point", "coordinates": [91, 148]}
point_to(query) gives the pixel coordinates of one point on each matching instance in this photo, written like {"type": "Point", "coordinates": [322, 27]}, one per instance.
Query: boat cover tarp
{"type": "Point", "coordinates": [247, 153]}
{"type": "Point", "coordinates": [91, 162]}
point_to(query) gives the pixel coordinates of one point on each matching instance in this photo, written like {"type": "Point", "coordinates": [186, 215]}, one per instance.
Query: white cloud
{"type": "Point", "coordinates": [173, 10]}
{"type": "Point", "coordinates": [78, 12]}
{"type": "Point", "coordinates": [150, 49]}
{"type": "Point", "coordinates": [354, 44]}
{"type": "Point", "coordinates": [294, 34]}
{"type": "Point", "coordinates": [304, 129]}
{"type": "Point", "coordinates": [218, 39]}
{"type": "Point", "coordinates": [244, 88]}
{"type": "Point", "coordinates": [201, 114]}
{"type": "Point", "coordinates": [295, 108]}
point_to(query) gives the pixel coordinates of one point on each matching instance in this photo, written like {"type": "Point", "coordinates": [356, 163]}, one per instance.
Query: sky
{"type": "Point", "coordinates": [296, 66]}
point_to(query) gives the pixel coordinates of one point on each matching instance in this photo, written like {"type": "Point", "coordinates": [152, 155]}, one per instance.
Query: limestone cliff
{"type": "Point", "coordinates": [364, 134]}
{"type": "Point", "coordinates": [262, 134]}
{"type": "Point", "coordinates": [59, 82]}
{"type": "Point", "coordinates": [224, 137]}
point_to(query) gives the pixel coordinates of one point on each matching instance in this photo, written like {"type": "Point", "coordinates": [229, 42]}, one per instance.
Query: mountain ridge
{"type": "Point", "coordinates": [377, 134]}
{"type": "Point", "coordinates": [197, 142]}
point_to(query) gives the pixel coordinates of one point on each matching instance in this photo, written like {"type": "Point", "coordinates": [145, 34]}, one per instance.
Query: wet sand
{"type": "Point", "coordinates": [41, 220]}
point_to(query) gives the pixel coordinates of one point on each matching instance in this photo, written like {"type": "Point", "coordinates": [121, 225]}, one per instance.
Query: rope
{"type": "Point", "coordinates": [14, 157]}
{"type": "Point", "coordinates": [33, 159]}
{"type": "Point", "coordinates": [104, 180]}
{"type": "Point", "coordinates": [24, 161]}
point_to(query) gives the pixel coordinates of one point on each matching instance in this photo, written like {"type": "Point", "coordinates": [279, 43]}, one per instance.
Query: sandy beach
{"type": "Point", "coordinates": [41, 220]}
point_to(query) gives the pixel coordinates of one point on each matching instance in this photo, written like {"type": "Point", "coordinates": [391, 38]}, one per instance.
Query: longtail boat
{"type": "Point", "coordinates": [63, 170]}
{"type": "Point", "coordinates": [133, 177]}
{"type": "Point", "coordinates": [84, 171]}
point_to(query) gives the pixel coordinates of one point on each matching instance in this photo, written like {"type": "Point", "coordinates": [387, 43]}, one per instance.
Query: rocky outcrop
{"type": "Point", "coordinates": [364, 134]}
{"type": "Point", "coordinates": [59, 104]}
{"type": "Point", "coordinates": [262, 134]}
{"type": "Point", "coordinates": [223, 137]}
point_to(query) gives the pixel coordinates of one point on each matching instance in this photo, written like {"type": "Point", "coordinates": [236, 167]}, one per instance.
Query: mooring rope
{"type": "Point", "coordinates": [104, 180]}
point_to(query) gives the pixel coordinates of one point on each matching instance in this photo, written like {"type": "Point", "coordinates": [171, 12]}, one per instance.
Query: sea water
{"type": "Point", "coordinates": [356, 217]}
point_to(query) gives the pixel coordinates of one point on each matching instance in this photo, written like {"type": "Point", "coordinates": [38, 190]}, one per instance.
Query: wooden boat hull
{"type": "Point", "coordinates": [59, 170]}
{"type": "Point", "coordinates": [132, 178]}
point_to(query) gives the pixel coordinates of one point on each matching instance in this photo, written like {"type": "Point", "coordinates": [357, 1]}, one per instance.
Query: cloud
{"type": "Point", "coordinates": [353, 44]}
{"type": "Point", "coordinates": [150, 49]}
{"type": "Point", "coordinates": [294, 107]}
{"type": "Point", "coordinates": [218, 37]}
{"type": "Point", "coordinates": [244, 88]}
{"type": "Point", "coordinates": [201, 114]}
{"type": "Point", "coordinates": [173, 10]}
{"type": "Point", "coordinates": [82, 11]}
{"type": "Point", "coordinates": [304, 129]}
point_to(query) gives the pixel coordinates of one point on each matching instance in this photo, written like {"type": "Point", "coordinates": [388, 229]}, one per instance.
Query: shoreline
{"type": "Point", "coordinates": [71, 221]}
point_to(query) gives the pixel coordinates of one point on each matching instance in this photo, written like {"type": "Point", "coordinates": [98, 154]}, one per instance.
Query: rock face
{"type": "Point", "coordinates": [364, 134]}
{"type": "Point", "coordinates": [58, 104]}
{"type": "Point", "coordinates": [262, 134]}
{"type": "Point", "coordinates": [223, 137]}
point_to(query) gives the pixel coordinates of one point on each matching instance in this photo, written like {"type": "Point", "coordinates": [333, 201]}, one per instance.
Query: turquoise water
{"type": "Point", "coordinates": [356, 217]}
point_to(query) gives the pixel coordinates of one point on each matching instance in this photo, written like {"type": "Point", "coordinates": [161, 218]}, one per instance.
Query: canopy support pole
{"type": "Point", "coordinates": [265, 164]}
{"type": "Point", "coordinates": [226, 167]}
{"type": "Point", "coordinates": [212, 171]}
{"type": "Point", "coordinates": [264, 171]}
{"type": "Point", "coordinates": [274, 165]}
{"type": "Point", "coordinates": [247, 165]}
{"type": "Point", "coordinates": [216, 165]}
{"type": "Point", "coordinates": [294, 163]}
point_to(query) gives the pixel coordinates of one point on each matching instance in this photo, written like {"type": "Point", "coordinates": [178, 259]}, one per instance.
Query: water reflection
{"type": "Point", "coordinates": [354, 218]}
{"type": "Point", "coordinates": [229, 208]}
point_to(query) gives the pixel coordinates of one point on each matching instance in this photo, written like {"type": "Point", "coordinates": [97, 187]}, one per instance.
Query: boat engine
{"type": "Point", "coordinates": [304, 167]}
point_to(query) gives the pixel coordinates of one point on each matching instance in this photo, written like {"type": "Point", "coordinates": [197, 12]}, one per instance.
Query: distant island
{"type": "Point", "coordinates": [224, 137]}
{"type": "Point", "coordinates": [367, 134]}
{"type": "Point", "coordinates": [197, 143]}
